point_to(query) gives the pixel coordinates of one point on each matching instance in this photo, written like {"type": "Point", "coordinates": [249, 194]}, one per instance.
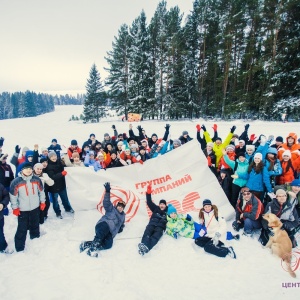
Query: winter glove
{"type": "Point", "coordinates": [42, 206]}
{"type": "Point", "coordinates": [216, 238]}
{"type": "Point", "coordinates": [203, 127]}
{"type": "Point", "coordinates": [149, 189]}
{"type": "Point", "coordinates": [107, 187]}
{"type": "Point", "coordinates": [16, 211]}
{"type": "Point", "coordinates": [139, 128]}
{"type": "Point", "coordinates": [236, 226]}
{"type": "Point", "coordinates": [17, 149]}
{"type": "Point", "coordinates": [64, 173]}
{"type": "Point", "coordinates": [270, 138]}
{"type": "Point", "coordinates": [198, 127]}
{"type": "Point", "coordinates": [113, 127]}
{"type": "Point", "coordinates": [252, 137]}
{"type": "Point", "coordinates": [167, 127]}
{"type": "Point", "coordinates": [1, 141]}
{"type": "Point", "coordinates": [232, 129]}
{"type": "Point", "coordinates": [175, 235]}
{"type": "Point", "coordinates": [215, 127]}
{"type": "Point", "coordinates": [188, 217]}
{"type": "Point", "coordinates": [247, 127]}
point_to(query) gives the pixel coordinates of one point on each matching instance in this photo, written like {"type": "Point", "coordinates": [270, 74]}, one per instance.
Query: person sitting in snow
{"type": "Point", "coordinates": [156, 225]}
{"type": "Point", "coordinates": [181, 225]}
{"type": "Point", "coordinates": [213, 233]}
{"type": "Point", "coordinates": [107, 227]}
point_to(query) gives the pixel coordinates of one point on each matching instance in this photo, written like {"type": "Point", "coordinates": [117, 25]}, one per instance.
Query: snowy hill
{"type": "Point", "coordinates": [52, 267]}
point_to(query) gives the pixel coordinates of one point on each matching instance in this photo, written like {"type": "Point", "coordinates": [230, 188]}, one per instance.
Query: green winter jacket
{"type": "Point", "coordinates": [181, 226]}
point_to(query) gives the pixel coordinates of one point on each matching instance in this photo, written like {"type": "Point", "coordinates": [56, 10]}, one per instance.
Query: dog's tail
{"type": "Point", "coordinates": [287, 259]}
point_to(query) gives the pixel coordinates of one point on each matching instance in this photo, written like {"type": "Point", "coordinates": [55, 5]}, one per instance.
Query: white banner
{"type": "Point", "coordinates": [181, 177]}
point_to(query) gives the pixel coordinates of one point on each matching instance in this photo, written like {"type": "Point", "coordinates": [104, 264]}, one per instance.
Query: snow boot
{"type": "Point", "coordinates": [84, 245]}
{"type": "Point", "coordinates": [231, 252]}
{"type": "Point", "coordinates": [94, 248]}
{"type": "Point", "coordinates": [143, 249]}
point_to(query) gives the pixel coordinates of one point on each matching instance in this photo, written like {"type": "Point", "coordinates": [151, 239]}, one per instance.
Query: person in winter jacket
{"type": "Point", "coordinates": [225, 182]}
{"type": "Point", "coordinates": [16, 160]}
{"type": "Point", "coordinates": [240, 169]}
{"type": "Point", "coordinates": [184, 138]}
{"type": "Point", "coordinates": [107, 227]}
{"type": "Point", "coordinates": [291, 145]}
{"type": "Point", "coordinates": [55, 170]}
{"type": "Point", "coordinates": [214, 234]}
{"type": "Point", "coordinates": [74, 148]}
{"type": "Point", "coordinates": [181, 225]}
{"type": "Point", "coordinates": [284, 208]}
{"type": "Point", "coordinates": [76, 160]}
{"type": "Point", "coordinates": [202, 141]}
{"type": "Point", "coordinates": [289, 168]}
{"type": "Point", "coordinates": [55, 147]}
{"type": "Point", "coordinates": [6, 173]}
{"type": "Point", "coordinates": [90, 161]}
{"type": "Point", "coordinates": [218, 145]}
{"type": "Point", "coordinates": [156, 225]}
{"type": "Point", "coordinates": [114, 160]}
{"type": "Point", "coordinates": [46, 181]}
{"type": "Point", "coordinates": [259, 178]}
{"type": "Point", "coordinates": [250, 150]}
{"type": "Point", "coordinates": [211, 157]}
{"type": "Point", "coordinates": [4, 200]}
{"type": "Point", "coordinates": [28, 158]}
{"type": "Point", "coordinates": [27, 197]}
{"type": "Point", "coordinates": [248, 212]}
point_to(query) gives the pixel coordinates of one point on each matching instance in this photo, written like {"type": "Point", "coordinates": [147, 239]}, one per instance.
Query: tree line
{"type": "Point", "coordinates": [230, 59]}
{"type": "Point", "coordinates": [31, 104]}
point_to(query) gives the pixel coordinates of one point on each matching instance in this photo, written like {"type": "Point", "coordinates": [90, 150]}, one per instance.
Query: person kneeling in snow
{"type": "Point", "coordinates": [181, 225]}
{"type": "Point", "coordinates": [214, 232]}
{"type": "Point", "coordinates": [157, 223]}
{"type": "Point", "coordinates": [107, 227]}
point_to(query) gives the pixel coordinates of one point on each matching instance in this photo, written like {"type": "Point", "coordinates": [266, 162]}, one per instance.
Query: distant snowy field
{"type": "Point", "coordinates": [52, 267]}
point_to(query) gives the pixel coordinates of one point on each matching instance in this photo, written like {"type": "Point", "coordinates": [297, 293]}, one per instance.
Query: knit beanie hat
{"type": "Point", "coordinates": [74, 143]}
{"type": "Point", "coordinates": [106, 134]}
{"type": "Point", "coordinates": [250, 147]}
{"type": "Point", "coordinates": [38, 165]}
{"type": "Point", "coordinates": [295, 182]}
{"type": "Point", "coordinates": [241, 154]}
{"type": "Point", "coordinates": [242, 142]}
{"type": "Point", "coordinates": [230, 147]}
{"type": "Point", "coordinates": [163, 201]}
{"type": "Point", "coordinates": [206, 202]}
{"type": "Point", "coordinates": [258, 155]}
{"type": "Point", "coordinates": [52, 153]}
{"type": "Point", "coordinates": [279, 139]}
{"type": "Point", "coordinates": [272, 150]}
{"type": "Point", "coordinates": [177, 141]}
{"type": "Point", "coordinates": [43, 159]}
{"type": "Point", "coordinates": [171, 209]}
{"type": "Point", "coordinates": [185, 132]}
{"type": "Point", "coordinates": [54, 141]}
{"type": "Point", "coordinates": [26, 165]}
{"type": "Point", "coordinates": [287, 153]}
{"type": "Point", "coordinates": [210, 144]}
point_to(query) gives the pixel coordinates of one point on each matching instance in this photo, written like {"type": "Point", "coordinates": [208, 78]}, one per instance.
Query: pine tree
{"type": "Point", "coordinates": [95, 100]}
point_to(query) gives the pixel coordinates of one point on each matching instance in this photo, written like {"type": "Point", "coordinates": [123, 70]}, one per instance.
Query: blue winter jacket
{"type": "Point", "coordinates": [256, 181]}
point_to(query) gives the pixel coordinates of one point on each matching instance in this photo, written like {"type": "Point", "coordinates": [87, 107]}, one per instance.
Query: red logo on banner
{"type": "Point", "coordinates": [116, 194]}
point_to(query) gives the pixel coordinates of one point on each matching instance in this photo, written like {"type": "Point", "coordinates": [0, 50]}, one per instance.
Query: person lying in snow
{"type": "Point", "coordinates": [107, 227]}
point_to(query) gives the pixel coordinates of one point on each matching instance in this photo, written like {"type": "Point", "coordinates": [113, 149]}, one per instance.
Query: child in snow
{"type": "Point", "coordinates": [27, 198]}
{"type": "Point", "coordinates": [213, 233]}
{"type": "Point", "coordinates": [107, 227]}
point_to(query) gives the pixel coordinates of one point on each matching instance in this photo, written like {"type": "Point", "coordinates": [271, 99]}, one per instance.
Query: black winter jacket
{"type": "Point", "coordinates": [4, 199]}
{"type": "Point", "coordinates": [54, 170]}
{"type": "Point", "coordinates": [159, 217]}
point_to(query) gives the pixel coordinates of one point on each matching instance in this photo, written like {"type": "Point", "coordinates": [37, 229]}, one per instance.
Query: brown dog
{"type": "Point", "coordinates": [280, 243]}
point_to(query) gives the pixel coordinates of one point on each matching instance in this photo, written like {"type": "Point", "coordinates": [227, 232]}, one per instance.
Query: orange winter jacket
{"type": "Point", "coordinates": [288, 176]}
{"type": "Point", "coordinates": [294, 148]}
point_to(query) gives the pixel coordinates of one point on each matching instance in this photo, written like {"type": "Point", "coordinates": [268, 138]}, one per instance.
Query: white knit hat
{"type": "Point", "coordinates": [259, 155]}
{"type": "Point", "coordinates": [287, 153]}
{"type": "Point", "coordinates": [250, 147]}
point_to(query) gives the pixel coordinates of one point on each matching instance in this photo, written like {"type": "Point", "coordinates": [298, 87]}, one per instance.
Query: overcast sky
{"type": "Point", "coordinates": [51, 45]}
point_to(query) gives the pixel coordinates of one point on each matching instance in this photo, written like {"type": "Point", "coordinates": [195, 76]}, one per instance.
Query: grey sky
{"type": "Point", "coordinates": [51, 45]}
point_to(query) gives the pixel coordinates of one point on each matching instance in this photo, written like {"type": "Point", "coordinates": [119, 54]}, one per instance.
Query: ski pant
{"type": "Point", "coordinates": [250, 225]}
{"type": "Point", "coordinates": [27, 220]}
{"type": "Point", "coordinates": [44, 213]}
{"type": "Point", "coordinates": [235, 194]}
{"type": "Point", "coordinates": [3, 243]}
{"type": "Point", "coordinates": [209, 247]}
{"type": "Point", "coordinates": [152, 235]}
{"type": "Point", "coordinates": [64, 200]}
{"type": "Point", "coordinates": [103, 235]}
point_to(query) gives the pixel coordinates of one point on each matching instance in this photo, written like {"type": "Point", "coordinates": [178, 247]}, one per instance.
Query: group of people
{"type": "Point", "coordinates": [258, 174]}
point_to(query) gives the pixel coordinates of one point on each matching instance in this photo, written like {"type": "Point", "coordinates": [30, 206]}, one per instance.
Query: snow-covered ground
{"type": "Point", "coordinates": [52, 267]}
